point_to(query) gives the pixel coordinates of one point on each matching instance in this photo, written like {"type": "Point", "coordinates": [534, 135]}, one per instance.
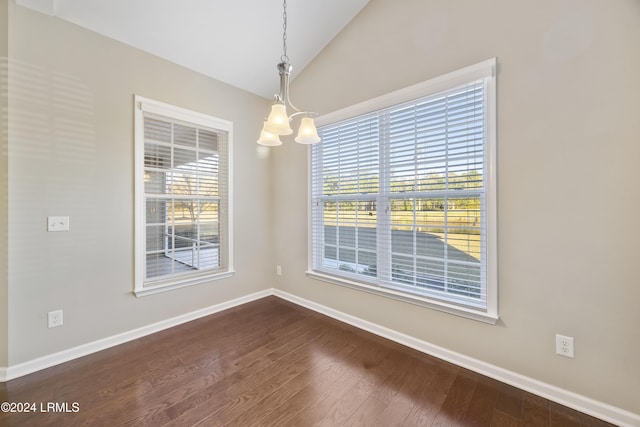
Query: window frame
{"type": "Point", "coordinates": [485, 70]}
{"type": "Point", "coordinates": [142, 287]}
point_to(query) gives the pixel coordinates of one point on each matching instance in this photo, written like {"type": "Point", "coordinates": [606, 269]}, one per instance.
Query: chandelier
{"type": "Point", "coordinates": [278, 122]}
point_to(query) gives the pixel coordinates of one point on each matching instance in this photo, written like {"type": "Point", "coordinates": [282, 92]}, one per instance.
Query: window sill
{"type": "Point", "coordinates": [180, 283]}
{"type": "Point", "coordinates": [468, 313]}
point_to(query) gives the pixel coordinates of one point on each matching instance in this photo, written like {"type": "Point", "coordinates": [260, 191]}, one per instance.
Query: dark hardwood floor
{"type": "Point", "coordinates": [271, 363]}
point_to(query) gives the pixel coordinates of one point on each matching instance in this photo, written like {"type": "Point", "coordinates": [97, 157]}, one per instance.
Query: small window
{"type": "Point", "coordinates": [183, 204]}
{"type": "Point", "coordinates": [403, 194]}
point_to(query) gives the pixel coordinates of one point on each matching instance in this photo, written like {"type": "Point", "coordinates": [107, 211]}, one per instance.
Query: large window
{"type": "Point", "coordinates": [182, 197]}
{"type": "Point", "coordinates": [403, 194]}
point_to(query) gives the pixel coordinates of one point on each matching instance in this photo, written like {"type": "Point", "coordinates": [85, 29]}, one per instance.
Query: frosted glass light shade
{"type": "Point", "coordinates": [269, 139]}
{"type": "Point", "coordinates": [307, 134]}
{"type": "Point", "coordinates": [278, 121]}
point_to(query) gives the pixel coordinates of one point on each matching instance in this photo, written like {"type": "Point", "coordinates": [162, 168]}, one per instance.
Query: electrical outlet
{"type": "Point", "coordinates": [564, 346]}
{"type": "Point", "coordinates": [55, 318]}
{"type": "Point", "coordinates": [279, 270]}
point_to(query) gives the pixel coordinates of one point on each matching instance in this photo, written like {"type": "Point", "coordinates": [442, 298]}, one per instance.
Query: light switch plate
{"type": "Point", "coordinates": [57, 223]}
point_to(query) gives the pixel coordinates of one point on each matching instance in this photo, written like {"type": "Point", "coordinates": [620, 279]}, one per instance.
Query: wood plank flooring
{"type": "Point", "coordinates": [272, 363]}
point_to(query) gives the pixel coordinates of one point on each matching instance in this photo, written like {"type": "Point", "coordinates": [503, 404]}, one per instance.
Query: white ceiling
{"type": "Point", "coordinates": [237, 41]}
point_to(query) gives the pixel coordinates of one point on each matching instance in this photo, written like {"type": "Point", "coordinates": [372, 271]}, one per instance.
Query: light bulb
{"type": "Point", "coordinates": [307, 134]}
{"type": "Point", "coordinates": [267, 138]}
{"type": "Point", "coordinates": [278, 121]}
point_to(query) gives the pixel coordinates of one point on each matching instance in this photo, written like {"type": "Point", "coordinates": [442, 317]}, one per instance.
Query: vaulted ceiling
{"type": "Point", "coordinates": [238, 42]}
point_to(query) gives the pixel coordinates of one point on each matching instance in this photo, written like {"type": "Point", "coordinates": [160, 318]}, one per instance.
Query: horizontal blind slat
{"type": "Point", "coordinates": [434, 148]}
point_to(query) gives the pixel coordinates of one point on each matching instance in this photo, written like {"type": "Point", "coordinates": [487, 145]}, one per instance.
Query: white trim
{"type": "Point", "coordinates": [443, 306]}
{"type": "Point", "coordinates": [441, 83]}
{"type": "Point", "coordinates": [146, 105]}
{"type": "Point", "coordinates": [230, 258]}
{"type": "Point", "coordinates": [25, 368]}
{"type": "Point", "coordinates": [138, 229]}
{"type": "Point", "coordinates": [189, 116]}
{"type": "Point", "coordinates": [182, 283]}
{"type": "Point", "coordinates": [491, 195]}
{"type": "Point", "coordinates": [564, 397]}
{"type": "Point", "coordinates": [488, 312]}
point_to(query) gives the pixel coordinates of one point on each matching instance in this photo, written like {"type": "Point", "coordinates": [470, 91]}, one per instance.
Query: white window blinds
{"type": "Point", "coordinates": [183, 198]}
{"type": "Point", "coordinates": [399, 197]}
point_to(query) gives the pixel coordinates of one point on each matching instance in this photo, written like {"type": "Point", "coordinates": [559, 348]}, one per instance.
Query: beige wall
{"type": "Point", "coordinates": [568, 198]}
{"type": "Point", "coordinates": [71, 153]}
{"type": "Point", "coordinates": [4, 204]}
{"type": "Point", "coordinates": [568, 133]}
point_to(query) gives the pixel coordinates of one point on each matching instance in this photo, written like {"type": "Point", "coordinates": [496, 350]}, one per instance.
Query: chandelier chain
{"type": "Point", "coordinates": [284, 57]}
{"type": "Point", "coordinates": [277, 123]}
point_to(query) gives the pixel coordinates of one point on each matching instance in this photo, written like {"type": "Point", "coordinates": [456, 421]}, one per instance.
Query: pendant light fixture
{"type": "Point", "coordinates": [278, 122]}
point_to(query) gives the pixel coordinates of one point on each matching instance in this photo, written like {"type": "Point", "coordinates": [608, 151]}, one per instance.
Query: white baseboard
{"type": "Point", "coordinates": [15, 371]}
{"type": "Point", "coordinates": [572, 400]}
{"type": "Point", "coordinates": [578, 402]}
